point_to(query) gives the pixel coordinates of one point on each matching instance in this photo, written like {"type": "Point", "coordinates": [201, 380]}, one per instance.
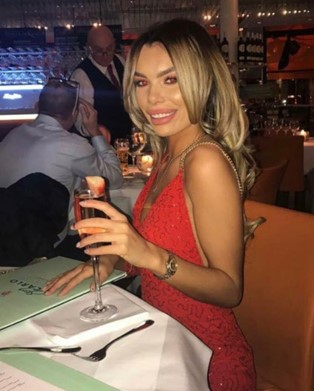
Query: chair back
{"type": "Point", "coordinates": [271, 149]}
{"type": "Point", "coordinates": [267, 183]}
{"type": "Point", "coordinates": [277, 310]}
{"type": "Point", "coordinates": [33, 211]}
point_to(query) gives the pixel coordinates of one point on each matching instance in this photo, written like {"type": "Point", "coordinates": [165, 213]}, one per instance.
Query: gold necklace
{"type": "Point", "coordinates": [159, 177]}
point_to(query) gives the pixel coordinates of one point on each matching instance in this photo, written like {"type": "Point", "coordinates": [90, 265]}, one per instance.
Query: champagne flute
{"type": "Point", "coordinates": [99, 312]}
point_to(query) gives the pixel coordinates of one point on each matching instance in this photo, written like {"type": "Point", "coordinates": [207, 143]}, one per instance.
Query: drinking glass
{"type": "Point", "coordinates": [137, 143]}
{"type": "Point", "coordinates": [122, 146]}
{"type": "Point", "coordinates": [295, 126]}
{"type": "Point", "coordinates": [99, 312]}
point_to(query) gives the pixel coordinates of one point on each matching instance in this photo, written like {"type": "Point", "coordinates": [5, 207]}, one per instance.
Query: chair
{"type": "Point", "coordinates": [271, 149]}
{"type": "Point", "coordinates": [277, 310]}
{"type": "Point", "coordinates": [268, 182]}
{"type": "Point", "coordinates": [33, 211]}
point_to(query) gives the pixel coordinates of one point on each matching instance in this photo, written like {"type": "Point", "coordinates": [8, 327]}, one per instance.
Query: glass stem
{"type": "Point", "coordinates": [98, 300]}
{"type": "Point", "coordinates": [133, 164]}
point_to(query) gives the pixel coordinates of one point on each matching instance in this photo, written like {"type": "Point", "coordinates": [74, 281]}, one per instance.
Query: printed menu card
{"type": "Point", "coordinates": [21, 295]}
{"type": "Point", "coordinates": [32, 371]}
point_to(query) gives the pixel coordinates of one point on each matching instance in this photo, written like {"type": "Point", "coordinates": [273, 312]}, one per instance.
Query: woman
{"type": "Point", "coordinates": [189, 229]}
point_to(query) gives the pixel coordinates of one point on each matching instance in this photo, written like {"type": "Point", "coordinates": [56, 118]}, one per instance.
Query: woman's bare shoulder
{"type": "Point", "coordinates": [206, 157]}
{"type": "Point", "coordinates": [207, 166]}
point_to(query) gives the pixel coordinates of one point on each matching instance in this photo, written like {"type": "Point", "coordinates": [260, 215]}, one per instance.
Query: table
{"type": "Point", "coordinates": [164, 357]}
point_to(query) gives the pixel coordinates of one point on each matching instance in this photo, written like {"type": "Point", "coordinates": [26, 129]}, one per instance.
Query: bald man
{"type": "Point", "coordinates": [100, 76]}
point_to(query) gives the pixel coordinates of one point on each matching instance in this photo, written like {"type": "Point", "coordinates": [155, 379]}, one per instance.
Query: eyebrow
{"type": "Point", "coordinates": [162, 73]}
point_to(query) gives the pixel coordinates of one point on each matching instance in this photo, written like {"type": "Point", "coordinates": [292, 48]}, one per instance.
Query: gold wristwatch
{"type": "Point", "coordinates": [171, 266]}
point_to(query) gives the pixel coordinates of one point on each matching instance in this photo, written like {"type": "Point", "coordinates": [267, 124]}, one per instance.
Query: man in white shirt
{"type": "Point", "coordinates": [46, 146]}
{"type": "Point", "coordinates": [100, 76]}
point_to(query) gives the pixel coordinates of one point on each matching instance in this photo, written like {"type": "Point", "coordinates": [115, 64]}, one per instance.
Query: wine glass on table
{"type": "Point", "coordinates": [122, 146]}
{"type": "Point", "coordinates": [93, 188]}
{"type": "Point", "coordinates": [137, 142]}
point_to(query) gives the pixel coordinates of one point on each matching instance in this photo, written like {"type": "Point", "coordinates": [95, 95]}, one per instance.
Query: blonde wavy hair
{"type": "Point", "coordinates": [207, 89]}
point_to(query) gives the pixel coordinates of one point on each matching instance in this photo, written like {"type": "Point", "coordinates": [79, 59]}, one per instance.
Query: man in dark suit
{"type": "Point", "coordinates": [100, 76]}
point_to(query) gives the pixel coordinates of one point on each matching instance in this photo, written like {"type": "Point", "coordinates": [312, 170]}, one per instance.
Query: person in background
{"type": "Point", "coordinates": [100, 76]}
{"type": "Point", "coordinates": [45, 145]}
{"type": "Point", "coordinates": [189, 227]}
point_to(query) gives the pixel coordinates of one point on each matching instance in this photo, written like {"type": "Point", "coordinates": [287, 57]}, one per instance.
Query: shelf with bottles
{"type": "Point", "coordinates": [251, 49]}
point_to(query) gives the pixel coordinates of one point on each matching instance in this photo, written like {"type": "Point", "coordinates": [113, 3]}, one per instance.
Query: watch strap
{"type": "Point", "coordinates": [171, 268]}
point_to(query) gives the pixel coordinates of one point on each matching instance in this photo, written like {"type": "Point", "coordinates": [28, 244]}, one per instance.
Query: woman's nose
{"type": "Point", "coordinates": [155, 94]}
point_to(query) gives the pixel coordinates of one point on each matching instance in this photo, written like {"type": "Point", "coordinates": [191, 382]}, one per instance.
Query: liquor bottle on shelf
{"type": "Point", "coordinates": [224, 47]}
{"type": "Point", "coordinates": [241, 49]}
{"type": "Point", "coordinates": [248, 48]}
{"type": "Point", "coordinates": [261, 49]}
{"type": "Point", "coordinates": [254, 48]}
{"type": "Point", "coordinates": [258, 49]}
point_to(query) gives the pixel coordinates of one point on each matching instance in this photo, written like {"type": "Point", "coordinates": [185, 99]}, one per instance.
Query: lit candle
{"type": "Point", "coordinates": [304, 134]}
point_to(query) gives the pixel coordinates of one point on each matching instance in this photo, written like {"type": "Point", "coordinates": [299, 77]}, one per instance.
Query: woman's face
{"type": "Point", "coordinates": [157, 92]}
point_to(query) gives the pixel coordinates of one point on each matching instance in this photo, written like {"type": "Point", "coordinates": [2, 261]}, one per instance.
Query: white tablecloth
{"type": "Point", "coordinates": [164, 357]}
{"type": "Point", "coordinates": [125, 197]}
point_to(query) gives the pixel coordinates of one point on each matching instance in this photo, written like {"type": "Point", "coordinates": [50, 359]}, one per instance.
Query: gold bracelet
{"type": "Point", "coordinates": [171, 268]}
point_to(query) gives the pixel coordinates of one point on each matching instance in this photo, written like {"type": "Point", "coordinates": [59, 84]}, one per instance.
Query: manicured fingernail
{"type": "Point", "coordinates": [78, 244]}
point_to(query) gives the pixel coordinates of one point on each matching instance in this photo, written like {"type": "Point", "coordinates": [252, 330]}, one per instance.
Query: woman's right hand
{"type": "Point", "coordinates": [69, 279]}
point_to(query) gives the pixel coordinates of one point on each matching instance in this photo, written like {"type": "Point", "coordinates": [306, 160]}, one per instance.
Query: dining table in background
{"type": "Point", "coordinates": [163, 357]}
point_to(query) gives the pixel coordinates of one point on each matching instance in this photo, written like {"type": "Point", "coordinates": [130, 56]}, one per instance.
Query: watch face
{"type": "Point", "coordinates": [172, 266]}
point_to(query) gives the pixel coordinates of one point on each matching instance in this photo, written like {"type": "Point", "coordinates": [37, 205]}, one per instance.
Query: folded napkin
{"type": "Point", "coordinates": [64, 326]}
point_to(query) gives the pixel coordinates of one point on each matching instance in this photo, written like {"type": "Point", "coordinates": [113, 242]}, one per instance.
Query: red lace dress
{"type": "Point", "coordinates": [167, 225]}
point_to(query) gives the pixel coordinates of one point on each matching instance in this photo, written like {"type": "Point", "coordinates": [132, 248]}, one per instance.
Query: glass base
{"type": "Point", "coordinates": [90, 314]}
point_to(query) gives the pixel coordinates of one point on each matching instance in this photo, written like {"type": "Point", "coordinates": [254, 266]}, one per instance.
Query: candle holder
{"type": "Point", "coordinates": [145, 163]}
